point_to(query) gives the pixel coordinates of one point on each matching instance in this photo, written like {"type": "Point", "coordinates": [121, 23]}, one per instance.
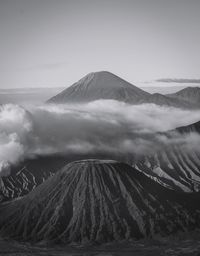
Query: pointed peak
{"type": "Point", "coordinates": [100, 85]}
{"type": "Point", "coordinates": [102, 73]}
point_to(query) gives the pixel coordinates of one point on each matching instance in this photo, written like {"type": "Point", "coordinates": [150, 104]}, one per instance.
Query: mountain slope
{"type": "Point", "coordinates": [164, 100]}
{"type": "Point", "coordinates": [195, 127]}
{"type": "Point", "coordinates": [21, 183]}
{"type": "Point", "coordinates": [174, 166]}
{"type": "Point", "coordinates": [30, 173]}
{"type": "Point", "coordinates": [27, 175]}
{"type": "Point", "coordinates": [189, 94]}
{"type": "Point", "coordinates": [98, 201]}
{"type": "Point", "coordinates": [100, 85]}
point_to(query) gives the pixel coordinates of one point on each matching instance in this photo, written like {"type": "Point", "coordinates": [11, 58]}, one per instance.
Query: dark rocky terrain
{"type": "Point", "coordinates": [20, 183]}
{"type": "Point", "coordinates": [27, 175]}
{"type": "Point", "coordinates": [181, 245]}
{"type": "Point", "coordinates": [173, 167]}
{"type": "Point", "coordinates": [98, 201]}
{"type": "Point", "coordinates": [30, 173]}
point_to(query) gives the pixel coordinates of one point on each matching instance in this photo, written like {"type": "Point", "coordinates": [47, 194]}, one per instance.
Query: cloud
{"type": "Point", "coordinates": [187, 141]}
{"type": "Point", "coordinates": [103, 126]}
{"type": "Point", "coordinates": [179, 80]}
{"type": "Point", "coordinates": [15, 127]}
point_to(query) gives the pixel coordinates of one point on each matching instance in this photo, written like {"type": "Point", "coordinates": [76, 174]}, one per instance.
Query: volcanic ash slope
{"type": "Point", "coordinates": [98, 201]}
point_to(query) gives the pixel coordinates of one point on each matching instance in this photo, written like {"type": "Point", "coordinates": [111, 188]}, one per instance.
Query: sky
{"type": "Point", "coordinates": [46, 43]}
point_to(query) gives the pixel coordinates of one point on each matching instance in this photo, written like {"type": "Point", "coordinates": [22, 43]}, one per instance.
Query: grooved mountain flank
{"type": "Point", "coordinates": [98, 201]}
{"type": "Point", "coordinates": [175, 166]}
{"type": "Point", "coordinates": [21, 183]}
{"type": "Point", "coordinates": [100, 85]}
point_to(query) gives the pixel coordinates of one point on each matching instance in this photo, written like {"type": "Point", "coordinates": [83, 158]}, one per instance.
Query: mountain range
{"type": "Point", "coordinates": [73, 199]}
{"type": "Point", "coordinates": [105, 85]}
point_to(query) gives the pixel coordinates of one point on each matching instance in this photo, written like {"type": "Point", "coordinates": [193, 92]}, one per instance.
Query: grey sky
{"type": "Point", "coordinates": [54, 43]}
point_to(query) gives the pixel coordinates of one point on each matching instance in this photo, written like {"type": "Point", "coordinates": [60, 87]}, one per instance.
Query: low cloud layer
{"type": "Point", "coordinates": [103, 126]}
{"type": "Point", "coordinates": [179, 80]}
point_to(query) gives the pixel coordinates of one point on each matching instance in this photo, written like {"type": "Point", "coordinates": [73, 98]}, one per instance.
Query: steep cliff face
{"type": "Point", "coordinates": [98, 201]}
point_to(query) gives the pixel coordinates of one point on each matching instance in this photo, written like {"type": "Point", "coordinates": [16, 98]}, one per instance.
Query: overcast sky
{"type": "Point", "coordinates": [54, 43]}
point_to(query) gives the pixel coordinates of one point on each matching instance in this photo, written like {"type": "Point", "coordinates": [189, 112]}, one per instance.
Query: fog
{"type": "Point", "coordinates": [103, 126]}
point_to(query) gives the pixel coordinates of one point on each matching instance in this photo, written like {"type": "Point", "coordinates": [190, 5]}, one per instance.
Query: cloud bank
{"type": "Point", "coordinates": [103, 126]}
{"type": "Point", "coordinates": [179, 80]}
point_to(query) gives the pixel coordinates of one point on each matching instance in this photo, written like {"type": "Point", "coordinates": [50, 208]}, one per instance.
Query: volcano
{"type": "Point", "coordinates": [100, 85]}
{"type": "Point", "coordinates": [105, 85]}
{"type": "Point", "coordinates": [98, 201]}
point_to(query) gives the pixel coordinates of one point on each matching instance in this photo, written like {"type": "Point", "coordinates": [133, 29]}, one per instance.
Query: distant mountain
{"type": "Point", "coordinates": [100, 85]}
{"type": "Point", "coordinates": [98, 201]}
{"type": "Point", "coordinates": [189, 94]}
{"type": "Point", "coordinates": [105, 85]}
{"type": "Point", "coordinates": [163, 100]}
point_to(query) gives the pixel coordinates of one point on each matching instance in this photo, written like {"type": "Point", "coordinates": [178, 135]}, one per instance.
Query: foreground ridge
{"type": "Point", "coordinates": [98, 201]}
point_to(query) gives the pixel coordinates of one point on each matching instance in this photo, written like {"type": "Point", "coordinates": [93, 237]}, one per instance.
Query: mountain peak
{"type": "Point", "coordinates": [189, 88]}
{"type": "Point", "coordinates": [102, 72]}
{"type": "Point", "coordinates": [100, 85]}
{"type": "Point", "coordinates": [189, 94]}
